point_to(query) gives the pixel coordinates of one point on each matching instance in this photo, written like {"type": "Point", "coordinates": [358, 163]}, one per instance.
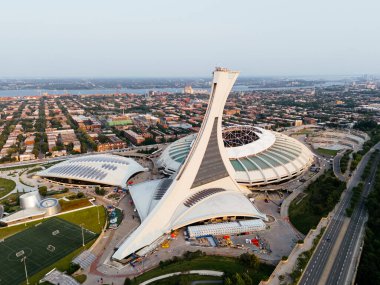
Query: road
{"type": "Point", "coordinates": [318, 261]}
{"type": "Point", "coordinates": [62, 158]}
{"type": "Point", "coordinates": [336, 166]}
{"type": "Point", "coordinates": [339, 273]}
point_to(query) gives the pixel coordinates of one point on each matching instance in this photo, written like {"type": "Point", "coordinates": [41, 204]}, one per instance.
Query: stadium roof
{"type": "Point", "coordinates": [102, 168]}
{"type": "Point", "coordinates": [258, 156]}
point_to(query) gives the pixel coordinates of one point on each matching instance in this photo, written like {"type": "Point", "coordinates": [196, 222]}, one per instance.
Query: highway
{"type": "Point", "coordinates": [346, 253]}
{"type": "Point", "coordinates": [317, 264]}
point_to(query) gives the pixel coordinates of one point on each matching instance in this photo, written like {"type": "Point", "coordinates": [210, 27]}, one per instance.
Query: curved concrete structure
{"type": "Point", "coordinates": [258, 156]}
{"type": "Point", "coordinates": [203, 188]}
{"type": "Point", "coordinates": [51, 206]}
{"type": "Point", "coordinates": [104, 169]}
{"type": "Point", "coordinates": [30, 200]}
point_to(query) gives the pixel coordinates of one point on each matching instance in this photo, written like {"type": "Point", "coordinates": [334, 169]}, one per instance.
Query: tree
{"type": "Point", "coordinates": [42, 190]}
{"type": "Point", "coordinates": [249, 260]}
{"type": "Point", "coordinates": [80, 195]}
{"type": "Point", "coordinates": [72, 268]}
{"type": "Point", "coordinates": [127, 281]}
{"type": "Point", "coordinates": [100, 191]}
{"type": "Point", "coordinates": [238, 280]}
{"type": "Point", "coordinates": [103, 138]}
{"type": "Point", "coordinates": [247, 279]}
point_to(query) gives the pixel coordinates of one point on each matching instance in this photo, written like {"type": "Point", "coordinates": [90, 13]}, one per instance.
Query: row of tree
{"type": "Point", "coordinates": [369, 267]}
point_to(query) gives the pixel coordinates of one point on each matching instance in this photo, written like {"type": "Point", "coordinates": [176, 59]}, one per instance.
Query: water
{"type": "Point", "coordinates": [36, 92]}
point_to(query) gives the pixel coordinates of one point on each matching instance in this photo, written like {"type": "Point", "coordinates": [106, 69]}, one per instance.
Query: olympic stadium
{"type": "Point", "coordinates": [258, 156]}
{"type": "Point", "coordinates": [204, 171]}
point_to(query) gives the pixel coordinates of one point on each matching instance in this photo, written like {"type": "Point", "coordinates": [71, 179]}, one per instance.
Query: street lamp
{"type": "Point", "coordinates": [26, 272]}
{"type": "Point", "coordinates": [81, 225]}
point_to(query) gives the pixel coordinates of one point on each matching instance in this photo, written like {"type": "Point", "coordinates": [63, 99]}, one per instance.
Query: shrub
{"type": "Point", "coordinates": [81, 278]}
{"type": "Point", "coordinates": [72, 268]}
{"type": "Point", "coordinates": [42, 190]}
{"type": "Point", "coordinates": [249, 260]}
{"type": "Point", "coordinates": [100, 191]}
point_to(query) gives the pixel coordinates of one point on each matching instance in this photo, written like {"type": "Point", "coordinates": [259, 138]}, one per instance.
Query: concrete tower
{"type": "Point", "coordinates": [203, 188]}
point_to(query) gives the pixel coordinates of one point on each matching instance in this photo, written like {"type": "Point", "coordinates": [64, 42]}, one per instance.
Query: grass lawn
{"type": "Point", "coordinates": [17, 167]}
{"type": "Point", "coordinates": [327, 152]}
{"type": "Point", "coordinates": [74, 204]}
{"type": "Point", "coordinates": [89, 218]}
{"type": "Point", "coordinates": [61, 195]}
{"type": "Point", "coordinates": [80, 278]}
{"type": "Point", "coordinates": [6, 186]}
{"type": "Point", "coordinates": [35, 169]}
{"type": "Point", "coordinates": [11, 198]}
{"type": "Point", "coordinates": [209, 262]}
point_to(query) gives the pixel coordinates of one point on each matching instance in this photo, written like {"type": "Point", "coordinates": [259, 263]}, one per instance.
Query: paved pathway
{"type": "Point", "coordinates": [200, 272]}
{"type": "Point", "coordinates": [19, 186]}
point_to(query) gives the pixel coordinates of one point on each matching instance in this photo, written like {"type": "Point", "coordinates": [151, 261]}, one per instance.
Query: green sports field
{"type": "Point", "coordinates": [42, 245]}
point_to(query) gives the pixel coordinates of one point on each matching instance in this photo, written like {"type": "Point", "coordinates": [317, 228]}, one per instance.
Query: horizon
{"type": "Point", "coordinates": [241, 76]}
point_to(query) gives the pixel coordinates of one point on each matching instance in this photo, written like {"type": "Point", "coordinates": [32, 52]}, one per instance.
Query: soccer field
{"type": "Point", "coordinates": [41, 246]}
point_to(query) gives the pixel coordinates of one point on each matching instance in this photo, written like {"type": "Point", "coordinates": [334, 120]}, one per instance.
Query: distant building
{"type": "Point", "coordinates": [232, 111]}
{"type": "Point", "coordinates": [29, 140]}
{"type": "Point", "coordinates": [113, 143]}
{"type": "Point", "coordinates": [298, 123]}
{"type": "Point", "coordinates": [310, 121]}
{"type": "Point", "coordinates": [87, 123]}
{"type": "Point", "coordinates": [133, 137]}
{"type": "Point", "coordinates": [188, 90]}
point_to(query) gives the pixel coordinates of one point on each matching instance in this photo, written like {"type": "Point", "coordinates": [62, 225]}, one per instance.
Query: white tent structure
{"type": "Point", "coordinates": [105, 169]}
{"type": "Point", "coordinates": [203, 188]}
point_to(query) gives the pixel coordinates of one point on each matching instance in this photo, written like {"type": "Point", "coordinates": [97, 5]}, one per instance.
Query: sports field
{"type": "Point", "coordinates": [40, 245]}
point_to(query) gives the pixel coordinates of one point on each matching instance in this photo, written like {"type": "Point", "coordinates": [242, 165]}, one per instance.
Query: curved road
{"type": "Point", "coordinates": [336, 166]}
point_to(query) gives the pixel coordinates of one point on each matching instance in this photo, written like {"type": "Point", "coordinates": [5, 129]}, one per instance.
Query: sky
{"type": "Point", "coordinates": [173, 38]}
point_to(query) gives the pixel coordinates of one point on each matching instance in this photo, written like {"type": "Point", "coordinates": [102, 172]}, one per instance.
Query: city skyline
{"type": "Point", "coordinates": [168, 39]}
